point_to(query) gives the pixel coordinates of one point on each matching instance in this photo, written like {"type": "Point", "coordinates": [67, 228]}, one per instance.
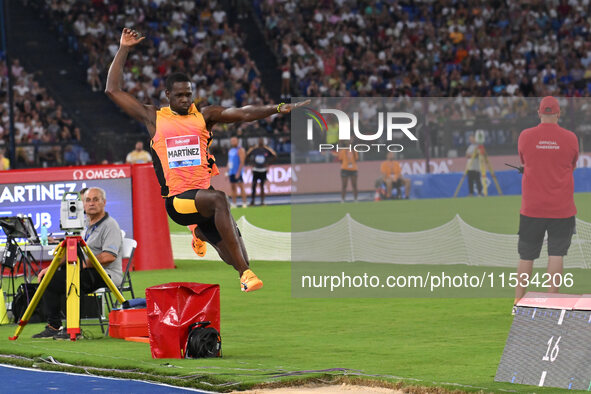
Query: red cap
{"type": "Point", "coordinates": [549, 106]}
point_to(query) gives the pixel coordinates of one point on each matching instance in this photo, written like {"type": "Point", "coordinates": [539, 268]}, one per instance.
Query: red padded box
{"type": "Point", "coordinates": [128, 323]}
{"type": "Point", "coordinates": [172, 308]}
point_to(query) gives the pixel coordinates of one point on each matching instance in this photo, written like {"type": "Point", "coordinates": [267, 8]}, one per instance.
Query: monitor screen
{"type": "Point", "coordinates": [41, 199]}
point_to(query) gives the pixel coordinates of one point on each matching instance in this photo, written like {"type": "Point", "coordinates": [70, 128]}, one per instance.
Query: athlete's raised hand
{"type": "Point", "coordinates": [287, 108]}
{"type": "Point", "coordinates": [130, 37]}
{"type": "Point", "coordinates": [114, 89]}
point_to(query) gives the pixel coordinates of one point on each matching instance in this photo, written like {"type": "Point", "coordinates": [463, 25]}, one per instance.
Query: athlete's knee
{"type": "Point", "coordinates": [220, 200]}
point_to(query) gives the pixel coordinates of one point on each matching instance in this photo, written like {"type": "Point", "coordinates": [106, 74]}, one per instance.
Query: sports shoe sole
{"type": "Point", "coordinates": [197, 250]}
{"type": "Point", "coordinates": [247, 289]}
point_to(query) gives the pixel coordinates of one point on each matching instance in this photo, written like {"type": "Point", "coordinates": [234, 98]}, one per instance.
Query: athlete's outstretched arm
{"type": "Point", "coordinates": [215, 114]}
{"type": "Point", "coordinates": [143, 113]}
{"type": "Point", "coordinates": [273, 153]}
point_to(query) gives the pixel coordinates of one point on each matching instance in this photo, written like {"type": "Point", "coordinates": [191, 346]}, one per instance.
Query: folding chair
{"type": "Point", "coordinates": [103, 296]}
{"type": "Point", "coordinates": [127, 251]}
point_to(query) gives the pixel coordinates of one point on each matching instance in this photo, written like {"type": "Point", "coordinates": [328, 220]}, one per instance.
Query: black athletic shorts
{"type": "Point", "coordinates": [259, 175]}
{"type": "Point", "coordinates": [181, 209]}
{"type": "Point", "coordinates": [234, 179]}
{"type": "Point", "coordinates": [348, 173]}
{"type": "Point", "coordinates": [532, 231]}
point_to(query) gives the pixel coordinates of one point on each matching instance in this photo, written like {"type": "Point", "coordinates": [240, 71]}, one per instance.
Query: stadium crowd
{"type": "Point", "coordinates": [193, 37]}
{"type": "Point", "coordinates": [342, 48]}
{"type": "Point", "coordinates": [438, 49]}
{"type": "Point", "coordinates": [499, 50]}
{"type": "Point", "coordinates": [44, 133]}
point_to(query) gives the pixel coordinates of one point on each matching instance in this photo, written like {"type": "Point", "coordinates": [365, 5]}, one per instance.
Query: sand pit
{"type": "Point", "coordinates": [322, 389]}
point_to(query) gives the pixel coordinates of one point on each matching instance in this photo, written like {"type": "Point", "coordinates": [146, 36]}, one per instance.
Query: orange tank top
{"type": "Point", "coordinates": [181, 145]}
{"type": "Point", "coordinates": [348, 160]}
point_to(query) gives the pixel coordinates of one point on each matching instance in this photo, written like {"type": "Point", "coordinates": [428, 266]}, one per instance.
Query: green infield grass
{"type": "Point", "coordinates": [270, 337]}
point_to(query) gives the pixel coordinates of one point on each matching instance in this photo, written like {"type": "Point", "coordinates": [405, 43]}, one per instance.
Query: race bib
{"type": "Point", "coordinates": [183, 151]}
{"type": "Point", "coordinates": [259, 159]}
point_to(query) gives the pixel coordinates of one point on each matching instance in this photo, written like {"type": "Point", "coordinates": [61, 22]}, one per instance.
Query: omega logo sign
{"type": "Point", "coordinates": [99, 174]}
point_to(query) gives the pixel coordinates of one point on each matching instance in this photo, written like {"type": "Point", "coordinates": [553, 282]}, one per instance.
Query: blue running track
{"type": "Point", "coordinates": [27, 380]}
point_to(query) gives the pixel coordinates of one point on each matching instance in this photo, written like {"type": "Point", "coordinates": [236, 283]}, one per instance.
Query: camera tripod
{"type": "Point", "coordinates": [484, 164]}
{"type": "Point", "coordinates": [15, 258]}
{"type": "Point", "coordinates": [72, 248]}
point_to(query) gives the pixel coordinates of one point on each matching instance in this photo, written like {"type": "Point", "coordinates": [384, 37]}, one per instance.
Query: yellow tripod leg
{"type": "Point", "coordinates": [55, 263]}
{"type": "Point", "coordinates": [73, 298]}
{"type": "Point", "coordinates": [460, 184]}
{"type": "Point", "coordinates": [73, 287]}
{"type": "Point", "coordinates": [103, 274]}
{"type": "Point", "coordinates": [492, 174]}
{"type": "Point", "coordinates": [465, 172]}
{"type": "Point", "coordinates": [483, 172]}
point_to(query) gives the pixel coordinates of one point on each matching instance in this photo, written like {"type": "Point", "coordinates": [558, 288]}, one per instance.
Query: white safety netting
{"type": "Point", "coordinates": [455, 242]}
{"type": "Point", "coordinates": [260, 244]}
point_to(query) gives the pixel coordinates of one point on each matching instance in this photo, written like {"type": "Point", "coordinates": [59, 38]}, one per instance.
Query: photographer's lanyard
{"type": "Point", "coordinates": [94, 227]}
{"type": "Point", "coordinates": [90, 231]}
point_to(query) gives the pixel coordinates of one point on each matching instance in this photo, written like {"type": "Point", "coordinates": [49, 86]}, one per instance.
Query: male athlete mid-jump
{"type": "Point", "coordinates": [180, 135]}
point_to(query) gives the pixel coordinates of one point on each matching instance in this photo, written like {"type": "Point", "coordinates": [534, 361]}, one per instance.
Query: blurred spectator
{"type": "Point", "coordinates": [193, 37]}
{"type": "Point", "coordinates": [424, 48]}
{"type": "Point", "coordinates": [40, 124]}
{"type": "Point", "coordinates": [344, 48]}
{"type": "Point", "coordinates": [70, 157]}
{"type": "Point", "coordinates": [94, 79]}
{"type": "Point", "coordinates": [4, 162]}
{"type": "Point", "coordinates": [285, 80]}
{"type": "Point", "coordinates": [473, 170]}
{"type": "Point", "coordinates": [261, 156]}
{"type": "Point", "coordinates": [179, 39]}
{"type": "Point", "coordinates": [391, 172]}
{"type": "Point", "coordinates": [138, 155]}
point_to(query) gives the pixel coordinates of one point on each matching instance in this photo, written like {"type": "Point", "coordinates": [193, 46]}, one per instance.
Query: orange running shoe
{"type": "Point", "coordinates": [199, 246]}
{"type": "Point", "coordinates": [250, 282]}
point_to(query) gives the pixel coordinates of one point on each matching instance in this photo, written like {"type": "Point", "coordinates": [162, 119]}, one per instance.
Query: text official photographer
{"type": "Point", "coordinates": [103, 236]}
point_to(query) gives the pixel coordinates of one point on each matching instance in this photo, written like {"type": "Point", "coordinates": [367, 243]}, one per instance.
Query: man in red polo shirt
{"type": "Point", "coordinates": [549, 156]}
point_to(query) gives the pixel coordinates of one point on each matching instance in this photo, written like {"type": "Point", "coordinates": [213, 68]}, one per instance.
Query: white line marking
{"type": "Point", "coordinates": [561, 316]}
{"type": "Point", "coordinates": [542, 379]}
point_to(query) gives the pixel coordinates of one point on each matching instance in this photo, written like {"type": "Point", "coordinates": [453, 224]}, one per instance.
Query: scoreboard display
{"type": "Point", "coordinates": [38, 194]}
{"type": "Point", "coordinates": [549, 344]}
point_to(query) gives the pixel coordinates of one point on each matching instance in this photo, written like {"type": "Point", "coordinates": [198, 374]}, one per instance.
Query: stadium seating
{"type": "Point", "coordinates": [343, 48]}
{"type": "Point", "coordinates": [185, 36]}
{"type": "Point", "coordinates": [432, 48]}
{"type": "Point", "coordinates": [44, 133]}
{"type": "Point", "coordinates": [499, 50]}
